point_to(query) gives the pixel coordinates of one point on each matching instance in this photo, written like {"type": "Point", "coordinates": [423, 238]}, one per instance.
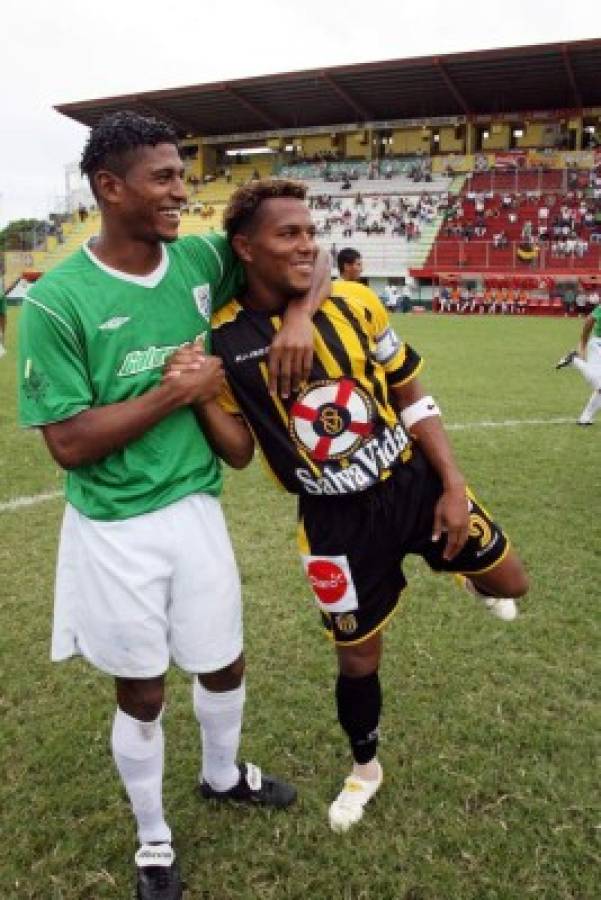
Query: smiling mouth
{"type": "Point", "coordinates": [172, 214]}
{"type": "Point", "coordinates": [305, 268]}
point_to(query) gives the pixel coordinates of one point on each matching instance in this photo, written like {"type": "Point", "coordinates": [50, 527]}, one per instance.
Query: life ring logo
{"type": "Point", "coordinates": [328, 580]}
{"type": "Point", "coordinates": [331, 419]}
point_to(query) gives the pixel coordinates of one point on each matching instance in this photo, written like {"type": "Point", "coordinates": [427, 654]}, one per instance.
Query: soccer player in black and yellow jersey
{"type": "Point", "coordinates": [362, 447]}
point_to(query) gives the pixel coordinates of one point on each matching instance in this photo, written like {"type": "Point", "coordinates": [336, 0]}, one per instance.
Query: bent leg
{"type": "Point", "coordinates": [507, 579]}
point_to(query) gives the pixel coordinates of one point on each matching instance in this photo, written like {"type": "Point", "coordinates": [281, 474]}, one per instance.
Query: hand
{"type": "Point", "coordinates": [291, 353]}
{"type": "Point", "coordinates": [194, 376]}
{"type": "Point", "coordinates": [451, 515]}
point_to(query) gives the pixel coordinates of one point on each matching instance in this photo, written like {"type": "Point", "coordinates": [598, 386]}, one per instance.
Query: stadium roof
{"type": "Point", "coordinates": [540, 77]}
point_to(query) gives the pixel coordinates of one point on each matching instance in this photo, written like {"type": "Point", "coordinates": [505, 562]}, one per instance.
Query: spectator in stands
{"type": "Point", "coordinates": [82, 212]}
{"type": "Point", "coordinates": [350, 264]}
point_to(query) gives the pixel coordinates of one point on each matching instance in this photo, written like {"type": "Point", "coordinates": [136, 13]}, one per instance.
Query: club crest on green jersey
{"type": "Point", "coordinates": [202, 298]}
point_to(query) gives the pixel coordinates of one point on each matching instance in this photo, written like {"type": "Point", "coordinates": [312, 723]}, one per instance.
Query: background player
{"type": "Point", "coordinates": [360, 444]}
{"type": "Point", "coordinates": [587, 359]}
{"type": "Point", "coordinates": [350, 264]}
{"type": "Point", "coordinates": [145, 569]}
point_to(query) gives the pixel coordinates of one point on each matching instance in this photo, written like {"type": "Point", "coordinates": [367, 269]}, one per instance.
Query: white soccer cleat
{"type": "Point", "coordinates": [504, 608]}
{"type": "Point", "coordinates": [347, 808]}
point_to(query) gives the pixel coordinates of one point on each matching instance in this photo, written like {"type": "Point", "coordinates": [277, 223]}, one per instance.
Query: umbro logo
{"type": "Point", "coordinates": [114, 323]}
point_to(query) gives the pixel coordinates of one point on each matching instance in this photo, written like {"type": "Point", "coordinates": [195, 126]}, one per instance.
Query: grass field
{"type": "Point", "coordinates": [490, 731]}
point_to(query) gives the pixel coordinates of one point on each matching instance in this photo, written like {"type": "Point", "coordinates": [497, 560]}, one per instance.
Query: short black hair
{"type": "Point", "coordinates": [112, 141]}
{"type": "Point", "coordinates": [346, 257]}
{"type": "Point", "coordinates": [246, 201]}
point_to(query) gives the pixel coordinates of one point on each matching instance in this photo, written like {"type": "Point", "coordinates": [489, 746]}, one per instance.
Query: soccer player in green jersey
{"type": "Point", "coordinates": [145, 570]}
{"type": "Point", "coordinates": [362, 447]}
{"type": "Point", "coordinates": [587, 360]}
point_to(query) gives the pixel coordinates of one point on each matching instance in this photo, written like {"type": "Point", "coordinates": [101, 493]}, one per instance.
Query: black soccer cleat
{"type": "Point", "coordinates": [158, 875]}
{"type": "Point", "coordinates": [566, 360]}
{"type": "Point", "coordinates": [253, 788]}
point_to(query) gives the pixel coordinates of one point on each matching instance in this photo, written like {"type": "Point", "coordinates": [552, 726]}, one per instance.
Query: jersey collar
{"type": "Point", "coordinates": [148, 281]}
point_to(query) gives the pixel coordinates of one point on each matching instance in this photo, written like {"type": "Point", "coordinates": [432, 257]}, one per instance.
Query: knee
{"type": "Point", "coordinates": [360, 660]}
{"type": "Point", "coordinates": [141, 699]}
{"type": "Point", "coordinates": [227, 679]}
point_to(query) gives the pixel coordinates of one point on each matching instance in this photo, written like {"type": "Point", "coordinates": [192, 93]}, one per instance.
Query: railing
{"type": "Point", "coordinates": [483, 255]}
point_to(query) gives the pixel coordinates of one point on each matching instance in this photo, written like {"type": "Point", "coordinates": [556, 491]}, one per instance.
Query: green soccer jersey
{"type": "Point", "coordinates": [2, 304]}
{"type": "Point", "coordinates": [90, 336]}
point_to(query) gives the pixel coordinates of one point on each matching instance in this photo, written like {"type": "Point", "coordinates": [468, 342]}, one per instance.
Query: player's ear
{"type": "Point", "coordinates": [242, 248]}
{"type": "Point", "coordinates": [109, 187]}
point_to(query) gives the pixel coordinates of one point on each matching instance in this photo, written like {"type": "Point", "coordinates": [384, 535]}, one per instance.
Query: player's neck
{"type": "Point", "coordinates": [260, 297]}
{"type": "Point", "coordinates": [125, 254]}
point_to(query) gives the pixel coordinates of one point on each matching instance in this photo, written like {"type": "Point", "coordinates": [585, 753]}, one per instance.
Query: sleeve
{"type": "Point", "coordinates": [230, 276]}
{"type": "Point", "coordinates": [227, 401]}
{"type": "Point", "coordinates": [400, 361]}
{"type": "Point", "coordinates": [53, 381]}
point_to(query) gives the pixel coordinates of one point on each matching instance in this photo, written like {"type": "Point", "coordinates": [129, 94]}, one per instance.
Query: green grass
{"type": "Point", "coordinates": [490, 732]}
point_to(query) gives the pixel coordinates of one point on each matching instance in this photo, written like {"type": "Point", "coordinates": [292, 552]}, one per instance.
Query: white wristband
{"type": "Point", "coordinates": [421, 409]}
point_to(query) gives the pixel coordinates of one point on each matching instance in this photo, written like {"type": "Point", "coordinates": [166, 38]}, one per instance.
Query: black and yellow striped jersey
{"type": "Point", "coordinates": [340, 433]}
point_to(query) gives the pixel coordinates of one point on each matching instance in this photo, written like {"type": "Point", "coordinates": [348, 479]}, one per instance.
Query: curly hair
{"type": "Point", "coordinates": [246, 201]}
{"type": "Point", "coordinates": [113, 139]}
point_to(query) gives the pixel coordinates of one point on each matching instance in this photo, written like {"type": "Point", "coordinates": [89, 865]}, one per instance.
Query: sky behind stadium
{"type": "Point", "coordinates": [66, 50]}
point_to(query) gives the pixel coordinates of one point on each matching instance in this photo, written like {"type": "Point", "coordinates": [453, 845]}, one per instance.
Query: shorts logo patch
{"type": "Point", "coordinates": [347, 623]}
{"type": "Point", "coordinates": [332, 583]}
{"type": "Point", "coordinates": [331, 419]}
{"type": "Point", "coordinates": [480, 529]}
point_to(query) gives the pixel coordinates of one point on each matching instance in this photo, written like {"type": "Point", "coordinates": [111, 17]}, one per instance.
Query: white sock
{"type": "Point", "coordinates": [591, 373]}
{"type": "Point", "coordinates": [138, 749]}
{"type": "Point", "coordinates": [220, 717]}
{"type": "Point", "coordinates": [592, 407]}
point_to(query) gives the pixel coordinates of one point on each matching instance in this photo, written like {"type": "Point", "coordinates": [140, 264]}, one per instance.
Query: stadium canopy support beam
{"type": "Point", "coordinates": [458, 96]}
{"type": "Point", "coordinates": [148, 108]}
{"type": "Point", "coordinates": [363, 113]}
{"type": "Point", "coordinates": [570, 73]}
{"type": "Point", "coordinates": [252, 107]}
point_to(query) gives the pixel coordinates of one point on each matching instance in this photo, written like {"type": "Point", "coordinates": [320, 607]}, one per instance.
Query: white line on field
{"type": "Point", "coordinates": [20, 502]}
{"type": "Point", "coordinates": [507, 423]}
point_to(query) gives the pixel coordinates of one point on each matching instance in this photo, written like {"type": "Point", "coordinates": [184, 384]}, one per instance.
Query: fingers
{"type": "Point", "coordinates": [273, 364]}
{"type": "Point", "coordinates": [437, 524]}
{"type": "Point", "coordinates": [456, 538]}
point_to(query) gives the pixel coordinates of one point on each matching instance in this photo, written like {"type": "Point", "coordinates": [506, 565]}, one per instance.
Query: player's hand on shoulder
{"type": "Point", "coordinates": [291, 354]}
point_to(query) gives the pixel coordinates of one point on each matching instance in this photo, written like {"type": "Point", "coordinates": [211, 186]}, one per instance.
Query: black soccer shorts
{"type": "Point", "coordinates": [353, 547]}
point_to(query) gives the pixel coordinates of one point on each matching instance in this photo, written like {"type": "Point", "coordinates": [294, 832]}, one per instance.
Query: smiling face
{"type": "Point", "coordinates": [278, 251]}
{"type": "Point", "coordinates": [148, 197]}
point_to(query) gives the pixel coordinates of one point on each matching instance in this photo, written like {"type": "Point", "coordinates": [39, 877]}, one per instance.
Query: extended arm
{"type": "Point", "coordinates": [451, 513]}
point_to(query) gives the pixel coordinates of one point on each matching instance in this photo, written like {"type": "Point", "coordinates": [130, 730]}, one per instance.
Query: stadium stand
{"type": "Point", "coordinates": [420, 164]}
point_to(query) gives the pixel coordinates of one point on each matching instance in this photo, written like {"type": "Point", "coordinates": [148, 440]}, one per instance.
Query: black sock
{"type": "Point", "coordinates": [359, 702]}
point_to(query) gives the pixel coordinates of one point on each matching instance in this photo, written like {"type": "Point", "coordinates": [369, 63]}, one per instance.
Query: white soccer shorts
{"type": "Point", "coordinates": [133, 594]}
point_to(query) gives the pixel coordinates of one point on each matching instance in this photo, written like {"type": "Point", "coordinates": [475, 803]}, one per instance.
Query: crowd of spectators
{"type": "Point", "coordinates": [388, 215]}
{"type": "Point", "coordinates": [566, 224]}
